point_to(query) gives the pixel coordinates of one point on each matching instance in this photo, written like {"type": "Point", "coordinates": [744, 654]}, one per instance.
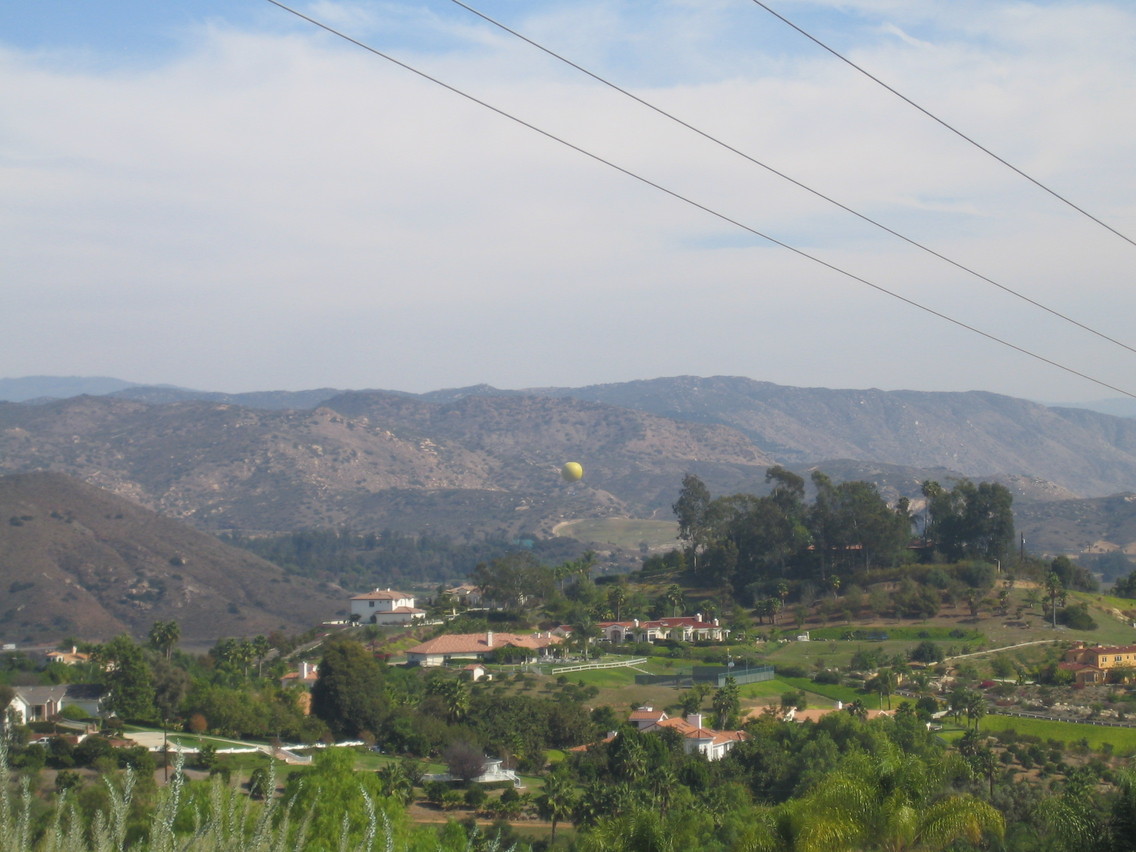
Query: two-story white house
{"type": "Point", "coordinates": [385, 607]}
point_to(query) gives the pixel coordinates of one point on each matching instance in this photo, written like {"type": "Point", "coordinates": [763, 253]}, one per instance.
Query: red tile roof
{"type": "Point", "coordinates": [478, 643]}
{"type": "Point", "coordinates": [381, 595]}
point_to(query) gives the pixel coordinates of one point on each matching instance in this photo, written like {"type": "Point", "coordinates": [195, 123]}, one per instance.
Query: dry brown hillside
{"type": "Point", "coordinates": [78, 560]}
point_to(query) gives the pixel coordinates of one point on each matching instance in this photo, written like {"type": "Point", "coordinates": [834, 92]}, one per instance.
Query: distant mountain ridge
{"type": "Point", "coordinates": [473, 459]}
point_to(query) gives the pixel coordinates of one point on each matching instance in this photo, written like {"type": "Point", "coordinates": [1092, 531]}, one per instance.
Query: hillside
{"type": "Point", "coordinates": [373, 459]}
{"type": "Point", "coordinates": [476, 460]}
{"type": "Point", "coordinates": [78, 560]}
{"type": "Point", "coordinates": [976, 434]}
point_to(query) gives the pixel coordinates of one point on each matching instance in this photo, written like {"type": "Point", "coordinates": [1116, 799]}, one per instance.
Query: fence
{"type": "Point", "coordinates": [584, 667]}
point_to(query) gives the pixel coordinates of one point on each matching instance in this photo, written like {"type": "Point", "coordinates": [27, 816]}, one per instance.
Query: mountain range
{"type": "Point", "coordinates": [474, 460]}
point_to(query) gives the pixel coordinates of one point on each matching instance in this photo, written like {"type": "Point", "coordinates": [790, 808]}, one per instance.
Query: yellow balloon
{"type": "Point", "coordinates": [572, 472]}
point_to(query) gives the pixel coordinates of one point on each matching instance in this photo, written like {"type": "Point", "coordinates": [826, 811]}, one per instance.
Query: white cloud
{"type": "Point", "coordinates": [281, 209]}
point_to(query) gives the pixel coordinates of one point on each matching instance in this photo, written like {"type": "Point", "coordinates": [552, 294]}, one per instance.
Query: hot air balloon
{"type": "Point", "coordinates": [572, 472]}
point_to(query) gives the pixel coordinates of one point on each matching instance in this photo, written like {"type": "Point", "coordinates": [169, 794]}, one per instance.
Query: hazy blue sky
{"type": "Point", "coordinates": [219, 195]}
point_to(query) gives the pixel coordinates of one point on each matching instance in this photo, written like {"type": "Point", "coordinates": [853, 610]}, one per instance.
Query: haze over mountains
{"type": "Point", "coordinates": [479, 459]}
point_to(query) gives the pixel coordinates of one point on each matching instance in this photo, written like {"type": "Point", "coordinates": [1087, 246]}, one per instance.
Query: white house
{"type": "Point", "coordinates": [696, 739]}
{"type": "Point", "coordinates": [685, 628]}
{"type": "Point", "coordinates": [40, 703]}
{"type": "Point", "coordinates": [385, 607]}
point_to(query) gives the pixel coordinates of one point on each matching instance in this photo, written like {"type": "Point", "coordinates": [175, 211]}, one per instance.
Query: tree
{"type": "Point", "coordinates": [674, 598]}
{"type": "Point", "coordinates": [464, 760]}
{"type": "Point", "coordinates": [163, 636]}
{"type": "Point", "coordinates": [557, 800]}
{"type": "Point", "coordinates": [887, 802]}
{"type": "Point", "coordinates": [350, 690]}
{"type": "Point", "coordinates": [128, 678]}
{"type": "Point", "coordinates": [727, 704]}
{"type": "Point", "coordinates": [1055, 591]}
{"type": "Point", "coordinates": [970, 521]}
{"type": "Point", "coordinates": [691, 511]}
{"type": "Point", "coordinates": [617, 597]}
{"type": "Point", "coordinates": [515, 581]}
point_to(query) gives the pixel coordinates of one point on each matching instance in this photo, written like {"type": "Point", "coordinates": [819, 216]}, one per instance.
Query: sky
{"type": "Point", "coordinates": [223, 196]}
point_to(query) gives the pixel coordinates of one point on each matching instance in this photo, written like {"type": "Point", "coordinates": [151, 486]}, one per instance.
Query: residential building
{"type": "Point", "coordinates": [684, 628]}
{"type": "Point", "coordinates": [478, 646]}
{"type": "Point", "coordinates": [466, 595]}
{"type": "Point", "coordinates": [306, 676]}
{"type": "Point", "coordinates": [68, 658]}
{"type": "Point", "coordinates": [696, 737]}
{"type": "Point", "coordinates": [1103, 657]}
{"type": "Point", "coordinates": [384, 606]}
{"type": "Point", "coordinates": [40, 703]}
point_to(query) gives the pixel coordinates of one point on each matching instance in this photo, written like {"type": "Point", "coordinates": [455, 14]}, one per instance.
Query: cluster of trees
{"type": "Point", "coordinates": [742, 540]}
{"type": "Point", "coordinates": [427, 712]}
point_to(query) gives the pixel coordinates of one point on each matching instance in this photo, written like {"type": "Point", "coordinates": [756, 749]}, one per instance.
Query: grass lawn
{"type": "Point", "coordinates": [832, 692]}
{"type": "Point", "coordinates": [1123, 740]}
{"type": "Point", "coordinates": [627, 533]}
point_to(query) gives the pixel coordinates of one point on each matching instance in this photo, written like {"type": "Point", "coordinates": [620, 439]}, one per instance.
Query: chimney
{"type": "Point", "coordinates": [695, 719]}
{"type": "Point", "coordinates": [698, 617]}
{"type": "Point", "coordinates": [716, 624]}
{"type": "Point", "coordinates": [636, 623]}
{"type": "Point", "coordinates": [489, 638]}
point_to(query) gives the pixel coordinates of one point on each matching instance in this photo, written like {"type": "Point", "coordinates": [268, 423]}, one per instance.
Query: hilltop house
{"type": "Point", "coordinates": [477, 646]}
{"type": "Point", "coordinates": [696, 738]}
{"type": "Point", "coordinates": [385, 607]}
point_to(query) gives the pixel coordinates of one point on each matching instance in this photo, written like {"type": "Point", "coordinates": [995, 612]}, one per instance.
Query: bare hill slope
{"type": "Point", "coordinates": [78, 560]}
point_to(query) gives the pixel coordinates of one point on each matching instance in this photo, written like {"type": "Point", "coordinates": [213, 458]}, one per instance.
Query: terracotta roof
{"type": "Point", "coordinates": [696, 732]}
{"type": "Point", "coordinates": [478, 643]}
{"type": "Point", "coordinates": [642, 715]}
{"type": "Point", "coordinates": [381, 595]}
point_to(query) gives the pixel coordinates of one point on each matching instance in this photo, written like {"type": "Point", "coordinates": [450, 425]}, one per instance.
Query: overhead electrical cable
{"type": "Point", "coordinates": [792, 180]}
{"type": "Point", "coordinates": [699, 206]}
{"type": "Point", "coordinates": [943, 123]}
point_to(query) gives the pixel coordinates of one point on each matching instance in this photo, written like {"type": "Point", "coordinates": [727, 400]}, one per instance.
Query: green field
{"type": "Point", "coordinates": [1122, 740]}
{"type": "Point", "coordinates": [627, 533]}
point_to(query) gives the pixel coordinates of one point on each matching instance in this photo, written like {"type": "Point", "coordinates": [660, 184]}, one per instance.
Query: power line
{"type": "Point", "coordinates": [949, 127]}
{"type": "Point", "coordinates": [792, 180]}
{"type": "Point", "coordinates": [697, 205]}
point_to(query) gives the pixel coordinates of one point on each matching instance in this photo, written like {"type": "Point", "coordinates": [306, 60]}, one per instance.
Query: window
{"type": "Point", "coordinates": [371, 604]}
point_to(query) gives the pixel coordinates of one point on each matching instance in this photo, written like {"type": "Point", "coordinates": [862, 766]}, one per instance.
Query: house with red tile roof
{"type": "Point", "coordinates": [478, 646]}
{"type": "Point", "coordinates": [1082, 659]}
{"type": "Point", "coordinates": [685, 628]}
{"type": "Point", "coordinates": [385, 606]}
{"type": "Point", "coordinates": [307, 675]}
{"type": "Point", "coordinates": [68, 658]}
{"type": "Point", "coordinates": [696, 737]}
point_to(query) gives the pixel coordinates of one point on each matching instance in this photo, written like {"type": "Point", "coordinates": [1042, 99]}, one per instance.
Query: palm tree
{"type": "Point", "coordinates": [163, 636]}
{"type": "Point", "coordinates": [675, 598]}
{"type": "Point", "coordinates": [557, 800]}
{"type": "Point", "coordinates": [617, 597]}
{"type": "Point", "coordinates": [888, 802]}
{"type": "Point", "coordinates": [583, 632]}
